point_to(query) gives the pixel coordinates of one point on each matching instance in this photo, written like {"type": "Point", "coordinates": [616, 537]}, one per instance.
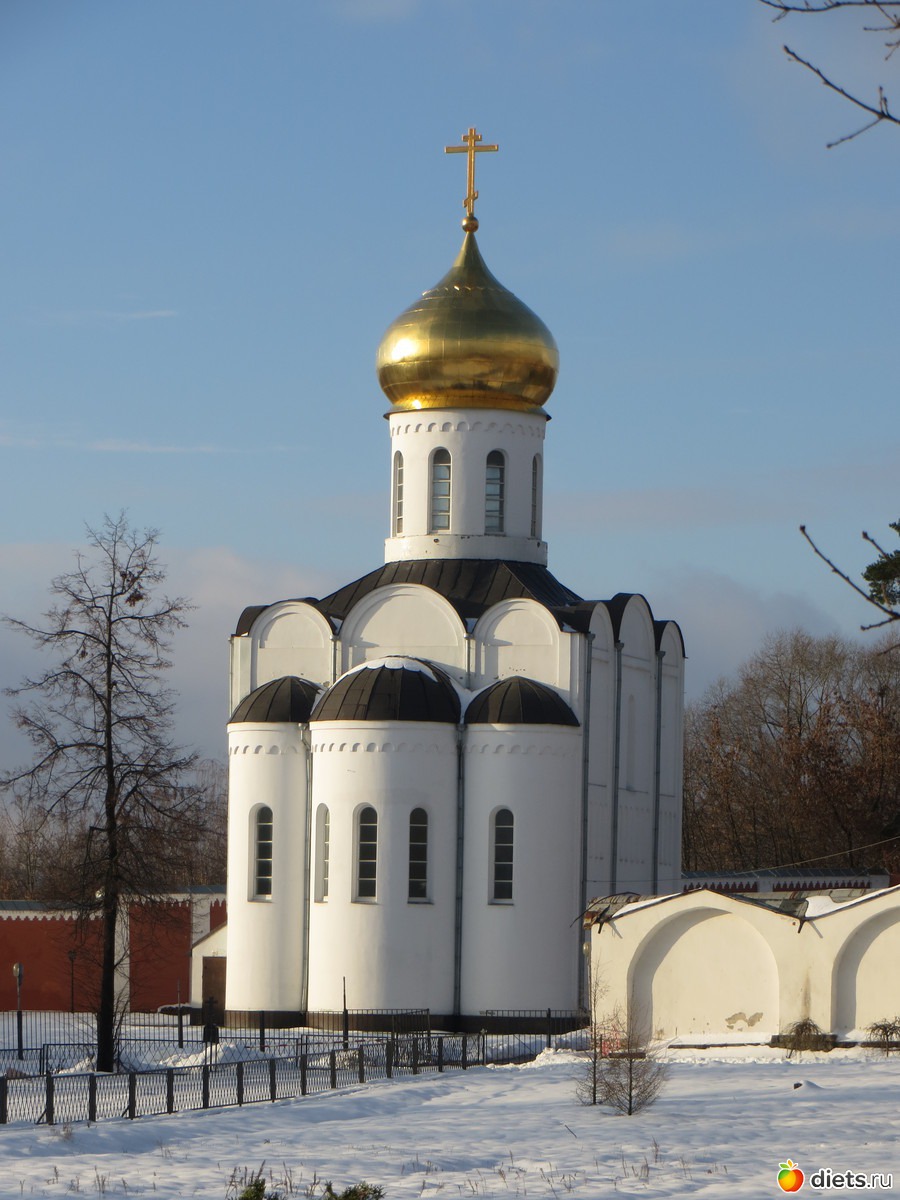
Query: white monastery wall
{"type": "Point", "coordinates": [708, 965]}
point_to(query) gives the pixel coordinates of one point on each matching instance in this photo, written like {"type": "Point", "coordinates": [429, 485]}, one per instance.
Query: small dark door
{"type": "Point", "coordinates": [214, 988]}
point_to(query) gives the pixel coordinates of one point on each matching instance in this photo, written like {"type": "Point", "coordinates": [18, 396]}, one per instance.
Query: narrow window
{"type": "Point", "coordinates": [440, 491]}
{"type": "Point", "coordinates": [398, 493]}
{"type": "Point", "coordinates": [323, 850]}
{"type": "Point", "coordinates": [495, 493]}
{"type": "Point", "coordinates": [366, 853]}
{"type": "Point", "coordinates": [503, 855]}
{"type": "Point", "coordinates": [535, 496]}
{"type": "Point", "coordinates": [262, 852]}
{"type": "Point", "coordinates": [418, 854]}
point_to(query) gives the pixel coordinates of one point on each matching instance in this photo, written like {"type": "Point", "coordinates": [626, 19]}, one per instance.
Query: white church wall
{"type": "Point", "coordinates": [601, 751]}
{"type": "Point", "coordinates": [239, 670]}
{"type": "Point", "coordinates": [671, 760]}
{"type": "Point", "coordinates": [267, 766]}
{"type": "Point", "coordinates": [523, 953]}
{"type": "Point", "coordinates": [469, 436]}
{"type": "Point", "coordinates": [393, 953]}
{"type": "Point", "coordinates": [290, 638]}
{"type": "Point", "coordinates": [405, 618]}
{"type": "Point", "coordinates": [520, 637]}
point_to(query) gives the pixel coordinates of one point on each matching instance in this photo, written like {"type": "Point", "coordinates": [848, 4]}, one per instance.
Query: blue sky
{"type": "Point", "coordinates": [210, 211]}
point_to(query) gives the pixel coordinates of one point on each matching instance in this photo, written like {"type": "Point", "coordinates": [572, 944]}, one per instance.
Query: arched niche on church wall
{"type": "Point", "coordinates": [866, 971]}
{"type": "Point", "coordinates": [290, 638]}
{"type": "Point", "coordinates": [409, 619]}
{"type": "Point", "coordinates": [638, 703]}
{"type": "Point", "coordinates": [671, 744]}
{"type": "Point", "coordinates": [520, 637]}
{"type": "Point", "coordinates": [704, 971]}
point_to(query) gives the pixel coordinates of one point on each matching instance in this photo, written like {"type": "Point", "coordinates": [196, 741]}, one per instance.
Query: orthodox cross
{"type": "Point", "coordinates": [471, 148]}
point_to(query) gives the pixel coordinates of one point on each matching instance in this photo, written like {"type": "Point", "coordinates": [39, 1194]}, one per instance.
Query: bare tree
{"type": "Point", "coordinates": [99, 720]}
{"type": "Point", "coordinates": [796, 760]}
{"type": "Point", "coordinates": [625, 1070]}
{"type": "Point", "coordinates": [886, 15]}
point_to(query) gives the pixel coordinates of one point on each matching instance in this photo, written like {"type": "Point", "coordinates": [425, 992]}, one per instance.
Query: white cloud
{"type": "Point", "coordinates": [218, 581]}
{"type": "Point", "coordinates": [724, 622]}
{"type": "Point", "coordinates": [103, 316]}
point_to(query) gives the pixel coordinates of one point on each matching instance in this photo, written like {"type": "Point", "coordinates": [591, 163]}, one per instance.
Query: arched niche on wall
{"type": "Point", "coordinates": [675, 992]}
{"type": "Point", "coordinates": [866, 972]}
{"type": "Point", "coordinates": [517, 637]}
{"type": "Point", "coordinates": [290, 638]}
{"type": "Point", "coordinates": [404, 618]}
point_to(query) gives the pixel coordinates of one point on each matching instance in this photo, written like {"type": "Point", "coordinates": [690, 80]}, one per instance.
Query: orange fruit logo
{"type": "Point", "coordinates": [790, 1177]}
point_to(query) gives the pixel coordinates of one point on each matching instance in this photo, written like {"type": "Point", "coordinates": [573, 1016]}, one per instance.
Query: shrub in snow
{"type": "Point", "coordinates": [805, 1035]}
{"type": "Point", "coordinates": [623, 1070]}
{"type": "Point", "coordinates": [358, 1191]}
{"type": "Point", "coordinates": [885, 1034]}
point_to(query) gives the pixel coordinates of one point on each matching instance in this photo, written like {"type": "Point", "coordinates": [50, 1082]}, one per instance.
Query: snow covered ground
{"type": "Point", "coordinates": [720, 1129]}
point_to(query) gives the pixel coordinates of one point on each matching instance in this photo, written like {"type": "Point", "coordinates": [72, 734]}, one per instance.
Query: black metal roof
{"type": "Point", "coordinates": [401, 692]}
{"type": "Point", "coordinates": [287, 699]}
{"type": "Point", "coordinates": [519, 701]}
{"type": "Point", "coordinates": [472, 586]}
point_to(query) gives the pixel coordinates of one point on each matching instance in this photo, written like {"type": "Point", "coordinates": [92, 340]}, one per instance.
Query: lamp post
{"type": "Point", "coordinates": [18, 972]}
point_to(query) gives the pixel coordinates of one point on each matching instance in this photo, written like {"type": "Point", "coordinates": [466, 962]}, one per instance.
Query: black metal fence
{"type": "Point", "coordinates": [34, 1043]}
{"type": "Point", "coordinates": [85, 1096]}
{"type": "Point", "coordinates": [517, 1033]}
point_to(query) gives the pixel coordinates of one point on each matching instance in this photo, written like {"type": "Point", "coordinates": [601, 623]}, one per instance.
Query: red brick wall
{"type": "Point", "coordinates": [42, 945]}
{"type": "Point", "coordinates": [218, 914]}
{"type": "Point", "coordinates": [160, 941]}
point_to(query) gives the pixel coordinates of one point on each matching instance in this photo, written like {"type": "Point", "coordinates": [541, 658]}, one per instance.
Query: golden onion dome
{"type": "Point", "coordinates": [468, 343]}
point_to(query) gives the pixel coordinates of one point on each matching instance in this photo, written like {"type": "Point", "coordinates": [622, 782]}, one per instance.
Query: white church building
{"type": "Point", "coordinates": [433, 769]}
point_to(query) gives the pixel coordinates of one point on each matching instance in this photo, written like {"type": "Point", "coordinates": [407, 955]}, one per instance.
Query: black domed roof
{"type": "Point", "coordinates": [288, 699]}
{"type": "Point", "coordinates": [396, 689]}
{"type": "Point", "coordinates": [519, 701]}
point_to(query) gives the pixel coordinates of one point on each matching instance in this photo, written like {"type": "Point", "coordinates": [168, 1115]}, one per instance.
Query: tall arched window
{"type": "Point", "coordinates": [398, 493]}
{"type": "Point", "coordinates": [536, 496]}
{"type": "Point", "coordinates": [262, 852]}
{"type": "Point", "coordinates": [495, 493]}
{"type": "Point", "coordinates": [502, 855]}
{"type": "Point", "coordinates": [323, 851]}
{"type": "Point", "coordinates": [366, 852]}
{"type": "Point", "coordinates": [418, 854]}
{"type": "Point", "coordinates": [440, 491]}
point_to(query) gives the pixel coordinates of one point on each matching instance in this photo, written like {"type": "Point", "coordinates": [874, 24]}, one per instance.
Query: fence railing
{"type": "Point", "coordinates": [85, 1096]}
{"type": "Point", "coordinates": [27, 1039]}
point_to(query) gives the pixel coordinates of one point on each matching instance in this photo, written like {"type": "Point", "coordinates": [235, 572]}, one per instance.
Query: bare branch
{"type": "Point", "coordinates": [890, 613]}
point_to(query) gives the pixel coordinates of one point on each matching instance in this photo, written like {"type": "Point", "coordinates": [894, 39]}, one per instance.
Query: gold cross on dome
{"type": "Point", "coordinates": [471, 148]}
